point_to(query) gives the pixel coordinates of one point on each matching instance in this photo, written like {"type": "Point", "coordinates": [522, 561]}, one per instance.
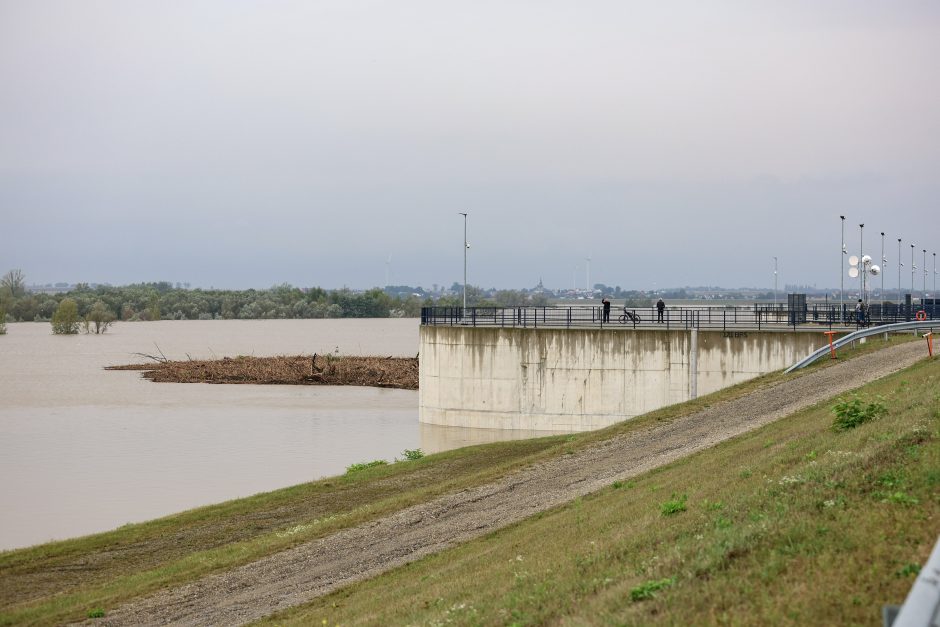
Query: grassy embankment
{"type": "Point", "coordinates": [791, 524]}
{"type": "Point", "coordinates": [64, 580]}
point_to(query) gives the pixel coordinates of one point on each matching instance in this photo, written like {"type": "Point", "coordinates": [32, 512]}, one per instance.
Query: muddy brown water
{"type": "Point", "coordinates": [84, 450]}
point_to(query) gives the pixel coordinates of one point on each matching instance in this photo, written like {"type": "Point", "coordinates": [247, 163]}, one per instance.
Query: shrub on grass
{"type": "Point", "coordinates": [357, 467]}
{"type": "Point", "coordinates": [909, 570]}
{"type": "Point", "coordinates": [674, 505]}
{"type": "Point", "coordinates": [96, 613]}
{"type": "Point", "coordinates": [853, 412]}
{"type": "Point", "coordinates": [412, 454]}
{"type": "Point", "coordinates": [900, 498]}
{"type": "Point", "coordinates": [649, 589]}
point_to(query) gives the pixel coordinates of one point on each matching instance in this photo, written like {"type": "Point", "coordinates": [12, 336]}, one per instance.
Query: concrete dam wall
{"type": "Point", "coordinates": [581, 379]}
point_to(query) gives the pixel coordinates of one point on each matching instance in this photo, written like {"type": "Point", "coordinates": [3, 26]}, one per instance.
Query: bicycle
{"type": "Point", "coordinates": [629, 316]}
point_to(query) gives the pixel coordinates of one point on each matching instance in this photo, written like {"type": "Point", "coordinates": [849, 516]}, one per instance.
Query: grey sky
{"type": "Point", "coordinates": [242, 144]}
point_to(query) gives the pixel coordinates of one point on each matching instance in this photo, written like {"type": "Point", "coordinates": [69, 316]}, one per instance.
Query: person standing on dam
{"type": "Point", "coordinates": [606, 304]}
{"type": "Point", "coordinates": [860, 313]}
{"type": "Point", "coordinates": [660, 308]}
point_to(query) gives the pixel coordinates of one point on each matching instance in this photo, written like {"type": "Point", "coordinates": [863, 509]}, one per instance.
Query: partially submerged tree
{"type": "Point", "coordinates": [99, 318]}
{"type": "Point", "coordinates": [65, 319]}
{"type": "Point", "coordinates": [13, 283]}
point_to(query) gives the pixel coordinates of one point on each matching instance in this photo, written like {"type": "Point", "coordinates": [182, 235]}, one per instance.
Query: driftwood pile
{"type": "Point", "coordinates": [385, 372]}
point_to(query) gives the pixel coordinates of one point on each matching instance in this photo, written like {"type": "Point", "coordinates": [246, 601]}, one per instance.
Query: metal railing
{"type": "Point", "coordinates": [758, 316]}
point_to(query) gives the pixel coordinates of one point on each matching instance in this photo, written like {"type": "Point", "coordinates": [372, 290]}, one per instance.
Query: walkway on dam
{"type": "Point", "coordinates": [322, 566]}
{"type": "Point", "coordinates": [763, 317]}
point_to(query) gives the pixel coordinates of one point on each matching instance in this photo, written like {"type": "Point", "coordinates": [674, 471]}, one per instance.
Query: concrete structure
{"type": "Point", "coordinates": [581, 379]}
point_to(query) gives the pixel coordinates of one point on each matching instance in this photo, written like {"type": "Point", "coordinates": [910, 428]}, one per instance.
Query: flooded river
{"type": "Point", "coordinates": [85, 450]}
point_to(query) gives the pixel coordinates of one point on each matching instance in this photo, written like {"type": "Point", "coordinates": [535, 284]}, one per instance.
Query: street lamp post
{"type": "Point", "coordinates": [465, 247]}
{"type": "Point", "coordinates": [935, 279]}
{"type": "Point", "coordinates": [900, 265]}
{"type": "Point", "coordinates": [923, 292]}
{"type": "Point", "coordinates": [861, 267]}
{"type": "Point", "coordinates": [842, 274]}
{"type": "Point", "coordinates": [587, 276]}
{"type": "Point", "coordinates": [775, 284]}
{"type": "Point", "coordinates": [913, 267]}
{"type": "Point", "coordinates": [884, 264]}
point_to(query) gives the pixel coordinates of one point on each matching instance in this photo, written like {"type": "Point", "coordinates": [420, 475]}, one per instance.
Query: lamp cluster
{"type": "Point", "coordinates": [861, 267]}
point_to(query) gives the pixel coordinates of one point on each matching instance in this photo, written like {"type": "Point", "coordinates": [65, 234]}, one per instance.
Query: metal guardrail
{"type": "Point", "coordinates": [922, 605]}
{"type": "Point", "coordinates": [926, 325]}
{"type": "Point", "coordinates": [760, 316]}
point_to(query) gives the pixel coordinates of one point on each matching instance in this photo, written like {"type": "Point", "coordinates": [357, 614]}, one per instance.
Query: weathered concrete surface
{"type": "Point", "coordinates": [581, 379]}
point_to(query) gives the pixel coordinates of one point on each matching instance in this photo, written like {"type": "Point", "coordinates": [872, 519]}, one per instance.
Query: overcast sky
{"type": "Point", "coordinates": [242, 144]}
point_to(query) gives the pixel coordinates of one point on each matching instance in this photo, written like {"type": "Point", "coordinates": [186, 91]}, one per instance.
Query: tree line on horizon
{"type": "Point", "coordinates": [98, 306]}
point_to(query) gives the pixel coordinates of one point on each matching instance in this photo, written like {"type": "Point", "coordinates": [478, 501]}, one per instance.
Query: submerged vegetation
{"type": "Point", "coordinates": [166, 301]}
{"type": "Point", "coordinates": [65, 318]}
{"type": "Point", "coordinates": [162, 301]}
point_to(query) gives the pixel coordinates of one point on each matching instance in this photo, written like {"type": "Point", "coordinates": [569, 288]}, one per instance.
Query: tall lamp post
{"type": "Point", "coordinates": [465, 247]}
{"type": "Point", "coordinates": [935, 279]}
{"type": "Point", "coordinates": [842, 274]}
{"type": "Point", "coordinates": [884, 264]}
{"type": "Point", "coordinates": [587, 276]}
{"type": "Point", "coordinates": [775, 283]}
{"type": "Point", "coordinates": [861, 269]}
{"type": "Point", "coordinates": [900, 265]}
{"type": "Point", "coordinates": [923, 293]}
{"type": "Point", "coordinates": [913, 267]}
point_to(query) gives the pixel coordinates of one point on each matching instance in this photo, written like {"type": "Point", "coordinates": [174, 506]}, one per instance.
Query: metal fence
{"type": "Point", "coordinates": [759, 316]}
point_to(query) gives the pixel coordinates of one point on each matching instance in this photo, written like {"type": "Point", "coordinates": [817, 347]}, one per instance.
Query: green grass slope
{"type": "Point", "coordinates": [795, 523]}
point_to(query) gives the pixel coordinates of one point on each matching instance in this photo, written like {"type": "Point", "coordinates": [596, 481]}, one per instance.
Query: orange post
{"type": "Point", "coordinates": [929, 336]}
{"type": "Point", "coordinates": [832, 349]}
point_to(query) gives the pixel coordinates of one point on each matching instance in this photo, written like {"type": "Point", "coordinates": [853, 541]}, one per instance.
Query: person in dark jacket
{"type": "Point", "coordinates": [660, 308]}
{"type": "Point", "coordinates": [606, 304]}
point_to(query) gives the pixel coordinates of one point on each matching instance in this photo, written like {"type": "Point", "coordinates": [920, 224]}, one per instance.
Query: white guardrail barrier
{"type": "Point", "coordinates": [922, 602]}
{"type": "Point", "coordinates": [926, 325]}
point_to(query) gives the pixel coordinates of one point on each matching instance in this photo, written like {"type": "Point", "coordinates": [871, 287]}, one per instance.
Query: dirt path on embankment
{"type": "Point", "coordinates": [310, 570]}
